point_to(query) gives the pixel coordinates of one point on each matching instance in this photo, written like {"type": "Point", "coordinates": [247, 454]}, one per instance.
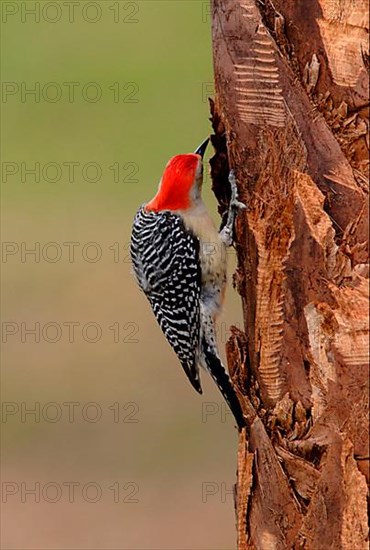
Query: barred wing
{"type": "Point", "coordinates": [165, 257]}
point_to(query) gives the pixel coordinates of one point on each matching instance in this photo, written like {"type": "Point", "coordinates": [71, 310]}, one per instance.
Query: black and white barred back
{"type": "Point", "coordinates": [166, 261]}
{"type": "Point", "coordinates": [165, 257]}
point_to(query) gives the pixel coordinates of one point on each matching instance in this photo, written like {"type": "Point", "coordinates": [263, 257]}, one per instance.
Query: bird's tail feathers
{"type": "Point", "coordinates": [217, 371]}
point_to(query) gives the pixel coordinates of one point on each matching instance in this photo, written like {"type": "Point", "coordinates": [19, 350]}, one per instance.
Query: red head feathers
{"type": "Point", "coordinates": [176, 183]}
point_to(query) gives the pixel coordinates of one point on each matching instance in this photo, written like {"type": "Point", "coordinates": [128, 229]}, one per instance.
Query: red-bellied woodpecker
{"type": "Point", "coordinates": [179, 259]}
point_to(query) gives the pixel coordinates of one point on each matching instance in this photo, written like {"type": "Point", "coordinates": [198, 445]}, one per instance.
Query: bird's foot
{"type": "Point", "coordinates": [227, 232]}
{"type": "Point", "coordinates": [234, 201]}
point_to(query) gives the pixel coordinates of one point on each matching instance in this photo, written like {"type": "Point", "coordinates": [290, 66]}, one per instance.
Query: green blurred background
{"type": "Point", "coordinates": [174, 464]}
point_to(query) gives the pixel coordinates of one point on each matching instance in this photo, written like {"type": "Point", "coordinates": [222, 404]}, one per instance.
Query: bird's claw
{"type": "Point", "coordinates": [235, 203]}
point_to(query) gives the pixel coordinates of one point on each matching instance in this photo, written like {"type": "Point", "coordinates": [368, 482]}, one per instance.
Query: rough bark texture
{"type": "Point", "coordinates": [291, 117]}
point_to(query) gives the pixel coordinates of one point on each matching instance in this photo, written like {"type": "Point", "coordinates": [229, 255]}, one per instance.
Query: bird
{"type": "Point", "coordinates": [179, 261]}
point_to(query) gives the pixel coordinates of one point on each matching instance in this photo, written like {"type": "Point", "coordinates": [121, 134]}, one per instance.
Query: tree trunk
{"type": "Point", "coordinates": [291, 117]}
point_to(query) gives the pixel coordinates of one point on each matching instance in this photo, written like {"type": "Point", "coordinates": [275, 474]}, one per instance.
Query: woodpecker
{"type": "Point", "coordinates": [179, 260]}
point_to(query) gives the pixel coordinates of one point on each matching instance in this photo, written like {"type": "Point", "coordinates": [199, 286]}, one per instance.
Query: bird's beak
{"type": "Point", "coordinates": [202, 148]}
